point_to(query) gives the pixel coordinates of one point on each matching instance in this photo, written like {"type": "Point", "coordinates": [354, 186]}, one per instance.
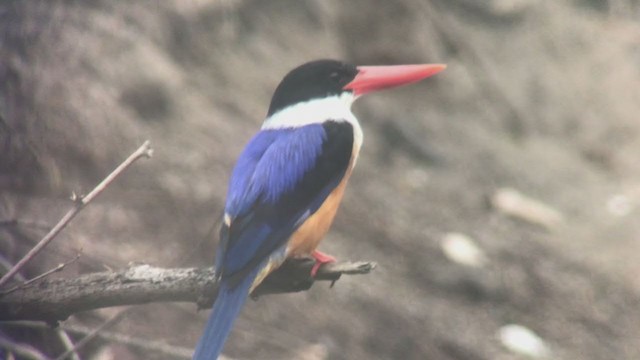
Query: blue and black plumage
{"type": "Point", "coordinates": [288, 182]}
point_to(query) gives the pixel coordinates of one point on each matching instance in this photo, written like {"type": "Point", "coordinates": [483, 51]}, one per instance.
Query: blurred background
{"type": "Point", "coordinates": [499, 198]}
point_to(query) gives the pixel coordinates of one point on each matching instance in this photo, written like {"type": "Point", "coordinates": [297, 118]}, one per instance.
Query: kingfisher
{"type": "Point", "coordinates": [287, 184]}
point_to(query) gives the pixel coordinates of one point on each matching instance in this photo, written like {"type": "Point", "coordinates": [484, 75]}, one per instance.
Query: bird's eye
{"type": "Point", "coordinates": [335, 76]}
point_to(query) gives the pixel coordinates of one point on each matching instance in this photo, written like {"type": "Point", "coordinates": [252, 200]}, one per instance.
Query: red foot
{"type": "Point", "coordinates": [321, 259]}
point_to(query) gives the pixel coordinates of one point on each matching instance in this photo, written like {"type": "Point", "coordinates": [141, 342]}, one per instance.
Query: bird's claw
{"type": "Point", "coordinates": [321, 259]}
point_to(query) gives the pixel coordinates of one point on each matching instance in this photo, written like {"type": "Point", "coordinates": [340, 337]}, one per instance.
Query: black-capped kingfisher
{"type": "Point", "coordinates": [288, 182]}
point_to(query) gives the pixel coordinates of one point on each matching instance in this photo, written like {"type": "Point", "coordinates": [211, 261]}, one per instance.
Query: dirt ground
{"type": "Point", "coordinates": [539, 97]}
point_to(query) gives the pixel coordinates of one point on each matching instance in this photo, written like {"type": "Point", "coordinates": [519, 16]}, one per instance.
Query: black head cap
{"type": "Point", "coordinates": [313, 80]}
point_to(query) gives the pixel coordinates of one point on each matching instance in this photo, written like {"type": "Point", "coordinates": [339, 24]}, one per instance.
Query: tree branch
{"type": "Point", "coordinates": [79, 203]}
{"type": "Point", "coordinates": [52, 300]}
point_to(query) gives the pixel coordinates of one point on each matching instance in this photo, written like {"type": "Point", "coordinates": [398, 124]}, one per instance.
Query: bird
{"type": "Point", "coordinates": [288, 182]}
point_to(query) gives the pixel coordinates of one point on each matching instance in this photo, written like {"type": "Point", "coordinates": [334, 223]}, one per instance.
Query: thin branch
{"type": "Point", "coordinates": [22, 350]}
{"type": "Point", "coordinates": [156, 346]}
{"type": "Point", "coordinates": [60, 267]}
{"type": "Point", "coordinates": [160, 347]}
{"type": "Point", "coordinates": [85, 340]}
{"type": "Point", "coordinates": [79, 203]}
{"type": "Point", "coordinates": [52, 300]}
{"type": "Point", "coordinates": [7, 265]}
{"type": "Point", "coordinates": [67, 343]}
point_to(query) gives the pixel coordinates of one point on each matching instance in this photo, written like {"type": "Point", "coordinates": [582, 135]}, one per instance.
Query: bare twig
{"type": "Point", "coordinates": [112, 321]}
{"type": "Point", "coordinates": [6, 264]}
{"type": "Point", "coordinates": [79, 203]}
{"type": "Point", "coordinates": [147, 344]}
{"type": "Point", "coordinates": [60, 267]}
{"type": "Point", "coordinates": [160, 347]}
{"type": "Point", "coordinates": [67, 343]}
{"type": "Point", "coordinates": [22, 350]}
{"type": "Point", "coordinates": [56, 299]}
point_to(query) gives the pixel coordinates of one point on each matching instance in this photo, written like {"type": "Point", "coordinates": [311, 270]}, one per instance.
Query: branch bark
{"type": "Point", "coordinates": [53, 300]}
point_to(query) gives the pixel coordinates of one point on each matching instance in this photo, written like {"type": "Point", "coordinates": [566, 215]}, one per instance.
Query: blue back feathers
{"type": "Point", "coordinates": [272, 164]}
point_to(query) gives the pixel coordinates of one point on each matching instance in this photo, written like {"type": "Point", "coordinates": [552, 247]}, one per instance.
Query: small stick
{"type": "Point", "coordinates": [112, 321]}
{"type": "Point", "coordinates": [66, 341]}
{"type": "Point", "coordinates": [43, 275]}
{"type": "Point", "coordinates": [79, 203]}
{"type": "Point", "coordinates": [158, 346]}
{"type": "Point", "coordinates": [22, 350]}
{"type": "Point", "coordinates": [7, 265]}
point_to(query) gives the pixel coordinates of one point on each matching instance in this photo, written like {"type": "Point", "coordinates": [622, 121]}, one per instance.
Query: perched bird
{"type": "Point", "coordinates": [287, 184]}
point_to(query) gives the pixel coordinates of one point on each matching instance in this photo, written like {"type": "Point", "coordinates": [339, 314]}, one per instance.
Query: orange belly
{"type": "Point", "coordinates": [306, 239]}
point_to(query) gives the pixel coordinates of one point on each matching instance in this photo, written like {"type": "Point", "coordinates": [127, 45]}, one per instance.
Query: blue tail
{"type": "Point", "coordinates": [225, 310]}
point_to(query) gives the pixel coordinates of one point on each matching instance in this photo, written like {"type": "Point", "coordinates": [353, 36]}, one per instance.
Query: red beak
{"type": "Point", "coordinates": [372, 78]}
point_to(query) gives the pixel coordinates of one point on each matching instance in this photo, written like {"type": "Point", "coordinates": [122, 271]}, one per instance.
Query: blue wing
{"type": "Point", "coordinates": [282, 177]}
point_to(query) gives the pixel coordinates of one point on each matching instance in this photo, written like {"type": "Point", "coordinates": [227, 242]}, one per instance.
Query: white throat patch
{"type": "Point", "coordinates": [317, 111]}
{"type": "Point", "coordinates": [314, 111]}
